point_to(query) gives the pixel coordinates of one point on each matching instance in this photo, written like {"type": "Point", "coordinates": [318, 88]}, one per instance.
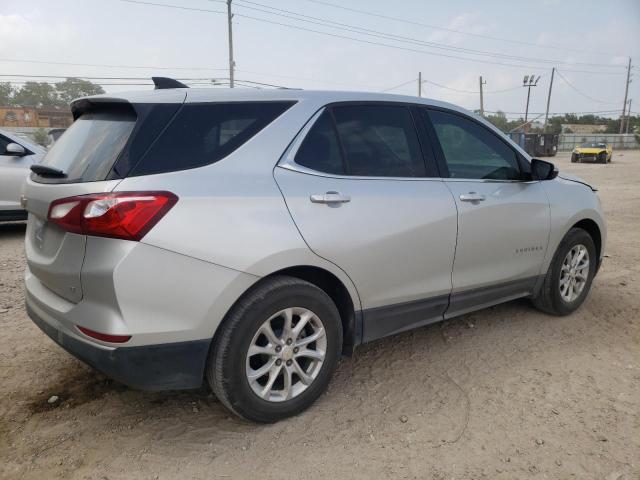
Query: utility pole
{"type": "Point", "coordinates": [626, 93]}
{"type": "Point", "coordinates": [546, 115]}
{"type": "Point", "coordinates": [628, 117]}
{"type": "Point", "coordinates": [481, 97]}
{"type": "Point", "coordinates": [232, 64]}
{"type": "Point", "coordinates": [419, 84]}
{"type": "Point", "coordinates": [528, 82]}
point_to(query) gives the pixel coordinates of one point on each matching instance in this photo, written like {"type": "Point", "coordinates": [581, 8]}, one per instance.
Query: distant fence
{"type": "Point", "coordinates": [568, 141]}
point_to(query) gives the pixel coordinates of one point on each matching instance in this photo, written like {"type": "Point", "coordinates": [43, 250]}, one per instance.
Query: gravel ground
{"type": "Point", "coordinates": [503, 393]}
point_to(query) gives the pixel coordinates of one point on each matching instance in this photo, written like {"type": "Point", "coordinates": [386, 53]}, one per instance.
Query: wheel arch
{"type": "Point", "coordinates": [592, 228]}
{"type": "Point", "coordinates": [339, 293]}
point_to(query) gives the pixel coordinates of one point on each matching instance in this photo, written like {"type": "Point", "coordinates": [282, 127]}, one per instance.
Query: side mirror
{"type": "Point", "coordinates": [541, 170]}
{"type": "Point", "coordinates": [15, 150]}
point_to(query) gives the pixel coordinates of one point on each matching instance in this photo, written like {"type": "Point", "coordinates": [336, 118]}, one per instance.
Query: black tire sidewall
{"type": "Point", "coordinates": [241, 397]}
{"type": "Point", "coordinates": [573, 238]}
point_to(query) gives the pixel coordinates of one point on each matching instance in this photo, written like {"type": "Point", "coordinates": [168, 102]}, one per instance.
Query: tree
{"type": "Point", "coordinates": [499, 119]}
{"type": "Point", "coordinates": [41, 137]}
{"type": "Point", "coordinates": [6, 91]}
{"type": "Point", "coordinates": [35, 94]}
{"type": "Point", "coordinates": [73, 88]}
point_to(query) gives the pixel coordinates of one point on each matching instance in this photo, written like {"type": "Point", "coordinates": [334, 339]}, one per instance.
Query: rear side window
{"type": "Point", "coordinates": [202, 134]}
{"type": "Point", "coordinates": [320, 149]}
{"type": "Point", "coordinates": [88, 149]}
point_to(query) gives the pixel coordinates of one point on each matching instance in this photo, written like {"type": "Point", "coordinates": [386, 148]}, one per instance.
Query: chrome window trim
{"type": "Point", "coordinates": [287, 162]}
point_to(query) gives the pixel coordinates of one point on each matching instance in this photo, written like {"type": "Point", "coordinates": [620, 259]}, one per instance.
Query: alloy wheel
{"type": "Point", "coordinates": [574, 273]}
{"type": "Point", "coordinates": [286, 354]}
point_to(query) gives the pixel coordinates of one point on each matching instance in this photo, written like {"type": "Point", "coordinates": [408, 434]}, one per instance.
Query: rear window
{"type": "Point", "coordinates": [202, 134]}
{"type": "Point", "coordinates": [90, 146]}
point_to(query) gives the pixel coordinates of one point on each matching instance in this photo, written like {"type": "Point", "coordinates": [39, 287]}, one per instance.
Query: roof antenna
{"type": "Point", "coordinates": [162, 83]}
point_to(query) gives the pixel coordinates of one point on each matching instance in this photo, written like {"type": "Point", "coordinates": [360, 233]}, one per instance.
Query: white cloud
{"type": "Point", "coordinates": [468, 22]}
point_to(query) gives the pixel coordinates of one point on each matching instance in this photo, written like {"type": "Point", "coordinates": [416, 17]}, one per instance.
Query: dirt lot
{"type": "Point", "coordinates": [503, 393]}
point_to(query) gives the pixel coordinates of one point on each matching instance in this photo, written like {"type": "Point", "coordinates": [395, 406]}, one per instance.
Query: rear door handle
{"type": "Point", "coordinates": [472, 197]}
{"type": "Point", "coordinates": [330, 198]}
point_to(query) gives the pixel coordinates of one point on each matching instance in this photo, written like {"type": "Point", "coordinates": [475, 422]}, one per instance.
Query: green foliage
{"type": "Point", "coordinates": [6, 91]}
{"type": "Point", "coordinates": [41, 137]}
{"type": "Point", "coordinates": [73, 88]}
{"type": "Point", "coordinates": [35, 94]}
{"type": "Point", "coordinates": [499, 119]}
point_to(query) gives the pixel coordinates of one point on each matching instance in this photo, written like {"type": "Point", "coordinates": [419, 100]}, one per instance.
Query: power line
{"type": "Point", "coordinates": [475, 92]}
{"type": "Point", "coordinates": [375, 33]}
{"type": "Point", "coordinates": [13, 60]}
{"type": "Point", "coordinates": [578, 91]}
{"type": "Point", "coordinates": [398, 86]}
{"type": "Point", "coordinates": [360, 40]}
{"type": "Point", "coordinates": [82, 77]}
{"type": "Point", "coordinates": [554, 113]}
{"type": "Point", "coordinates": [452, 30]}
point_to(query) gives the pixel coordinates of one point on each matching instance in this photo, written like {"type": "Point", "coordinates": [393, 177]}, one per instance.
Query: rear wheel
{"type": "Point", "coordinates": [276, 351]}
{"type": "Point", "coordinates": [570, 274]}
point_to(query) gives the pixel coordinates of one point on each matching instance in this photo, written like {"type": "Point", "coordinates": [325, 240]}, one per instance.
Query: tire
{"type": "Point", "coordinates": [550, 298]}
{"type": "Point", "coordinates": [574, 158]}
{"type": "Point", "coordinates": [602, 158]}
{"type": "Point", "coordinates": [229, 367]}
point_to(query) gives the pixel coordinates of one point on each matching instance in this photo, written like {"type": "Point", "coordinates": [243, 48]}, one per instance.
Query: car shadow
{"type": "Point", "coordinates": [12, 229]}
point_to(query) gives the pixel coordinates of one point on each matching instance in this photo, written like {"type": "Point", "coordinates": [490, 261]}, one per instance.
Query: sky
{"type": "Point", "coordinates": [362, 45]}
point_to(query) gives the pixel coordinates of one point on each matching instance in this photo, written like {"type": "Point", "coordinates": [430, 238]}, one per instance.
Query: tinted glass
{"type": "Point", "coordinates": [379, 141]}
{"type": "Point", "coordinates": [201, 134]}
{"type": "Point", "coordinates": [89, 147]}
{"type": "Point", "coordinates": [320, 149]}
{"type": "Point", "coordinates": [3, 145]}
{"type": "Point", "coordinates": [473, 151]}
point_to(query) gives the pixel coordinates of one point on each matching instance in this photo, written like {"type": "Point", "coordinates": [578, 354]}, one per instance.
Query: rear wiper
{"type": "Point", "coordinates": [45, 171]}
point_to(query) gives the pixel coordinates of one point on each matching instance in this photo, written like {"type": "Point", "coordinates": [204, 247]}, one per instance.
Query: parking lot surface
{"type": "Point", "coordinates": [503, 393]}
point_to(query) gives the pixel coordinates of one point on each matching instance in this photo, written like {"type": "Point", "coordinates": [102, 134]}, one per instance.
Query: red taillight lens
{"type": "Point", "coordinates": [105, 337]}
{"type": "Point", "coordinates": [125, 215]}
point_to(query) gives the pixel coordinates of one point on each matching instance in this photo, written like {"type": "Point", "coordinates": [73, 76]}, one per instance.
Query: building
{"type": "Point", "coordinates": [45, 117]}
{"type": "Point", "coordinates": [578, 128]}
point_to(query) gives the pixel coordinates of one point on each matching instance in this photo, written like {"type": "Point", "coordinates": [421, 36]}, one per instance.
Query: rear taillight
{"type": "Point", "coordinates": [125, 215]}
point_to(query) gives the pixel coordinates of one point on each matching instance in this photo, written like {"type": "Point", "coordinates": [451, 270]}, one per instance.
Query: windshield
{"type": "Point", "coordinates": [88, 149]}
{"type": "Point", "coordinates": [593, 145]}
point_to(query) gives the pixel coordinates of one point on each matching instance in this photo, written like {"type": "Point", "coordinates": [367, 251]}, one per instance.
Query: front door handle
{"type": "Point", "coordinates": [330, 198]}
{"type": "Point", "coordinates": [472, 197]}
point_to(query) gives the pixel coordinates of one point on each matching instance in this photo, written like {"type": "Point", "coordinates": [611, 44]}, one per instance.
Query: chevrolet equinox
{"type": "Point", "coordinates": [250, 238]}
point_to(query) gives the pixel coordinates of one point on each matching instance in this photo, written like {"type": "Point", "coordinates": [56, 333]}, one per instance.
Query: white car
{"type": "Point", "coordinates": [16, 157]}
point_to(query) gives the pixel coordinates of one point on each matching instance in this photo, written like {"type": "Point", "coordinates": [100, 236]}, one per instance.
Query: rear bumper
{"type": "Point", "coordinates": [150, 367]}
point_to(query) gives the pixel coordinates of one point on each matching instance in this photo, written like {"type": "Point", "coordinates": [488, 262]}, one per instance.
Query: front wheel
{"type": "Point", "coordinates": [574, 158]}
{"type": "Point", "coordinates": [276, 351]}
{"type": "Point", "coordinates": [570, 274]}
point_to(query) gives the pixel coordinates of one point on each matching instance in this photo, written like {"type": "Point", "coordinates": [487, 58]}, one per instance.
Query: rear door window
{"type": "Point", "coordinates": [379, 140]}
{"type": "Point", "coordinates": [202, 134]}
{"type": "Point", "coordinates": [90, 146]}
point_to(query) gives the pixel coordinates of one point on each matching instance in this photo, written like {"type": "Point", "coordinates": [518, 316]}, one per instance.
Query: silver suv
{"type": "Point", "coordinates": [249, 238]}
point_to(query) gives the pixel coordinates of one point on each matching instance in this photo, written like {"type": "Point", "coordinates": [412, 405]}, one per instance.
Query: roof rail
{"type": "Point", "coordinates": [162, 83]}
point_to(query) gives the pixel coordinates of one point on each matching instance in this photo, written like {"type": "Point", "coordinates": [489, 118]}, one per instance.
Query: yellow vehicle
{"type": "Point", "coordinates": [592, 152]}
